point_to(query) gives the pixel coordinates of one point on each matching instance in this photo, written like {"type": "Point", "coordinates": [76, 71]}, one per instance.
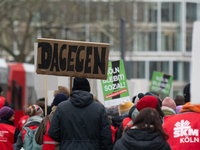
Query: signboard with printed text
{"type": "Point", "coordinates": [161, 82]}
{"type": "Point", "coordinates": [115, 88]}
{"type": "Point", "coordinates": [72, 58]}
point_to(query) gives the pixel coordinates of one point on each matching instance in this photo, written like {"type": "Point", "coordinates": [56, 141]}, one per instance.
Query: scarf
{"type": "Point", "coordinates": [189, 107]}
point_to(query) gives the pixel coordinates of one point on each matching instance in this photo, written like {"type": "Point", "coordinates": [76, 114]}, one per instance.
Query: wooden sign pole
{"type": "Point", "coordinates": [70, 84]}
{"type": "Point", "coordinates": [119, 110]}
{"type": "Point", "coordinates": [91, 85]}
{"type": "Point", "coordinates": [45, 89]}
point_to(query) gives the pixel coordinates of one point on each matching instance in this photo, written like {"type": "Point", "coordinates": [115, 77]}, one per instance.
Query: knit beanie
{"type": "Point", "coordinates": [147, 101]}
{"type": "Point", "coordinates": [125, 106]}
{"type": "Point", "coordinates": [34, 110]}
{"type": "Point", "coordinates": [6, 113]}
{"type": "Point", "coordinates": [169, 103]}
{"type": "Point", "coordinates": [59, 98]}
{"type": "Point", "coordinates": [186, 93]}
{"type": "Point", "coordinates": [81, 84]}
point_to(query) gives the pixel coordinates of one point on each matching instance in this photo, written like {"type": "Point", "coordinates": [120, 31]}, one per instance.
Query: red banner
{"type": "Point", "coordinates": [116, 93]}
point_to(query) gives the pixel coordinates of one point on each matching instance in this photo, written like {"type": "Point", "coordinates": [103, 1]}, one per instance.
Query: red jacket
{"type": "Point", "coordinates": [6, 136]}
{"type": "Point", "coordinates": [2, 101]}
{"type": "Point", "coordinates": [22, 121]}
{"type": "Point", "coordinates": [48, 143]}
{"type": "Point", "coordinates": [183, 130]}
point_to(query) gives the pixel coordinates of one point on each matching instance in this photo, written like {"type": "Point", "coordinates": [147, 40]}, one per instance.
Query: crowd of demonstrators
{"type": "Point", "coordinates": [26, 137]}
{"type": "Point", "coordinates": [8, 132]}
{"type": "Point", "coordinates": [41, 102]}
{"type": "Point", "coordinates": [81, 123]}
{"type": "Point", "coordinates": [3, 101]}
{"type": "Point", "coordinates": [145, 133]}
{"type": "Point", "coordinates": [42, 136]}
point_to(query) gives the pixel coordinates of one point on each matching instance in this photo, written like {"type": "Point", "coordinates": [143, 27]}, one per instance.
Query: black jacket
{"type": "Point", "coordinates": [137, 139]}
{"type": "Point", "coordinates": [81, 124]}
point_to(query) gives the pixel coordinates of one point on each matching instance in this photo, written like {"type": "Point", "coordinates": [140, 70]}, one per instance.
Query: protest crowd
{"type": "Point", "coordinates": [78, 121]}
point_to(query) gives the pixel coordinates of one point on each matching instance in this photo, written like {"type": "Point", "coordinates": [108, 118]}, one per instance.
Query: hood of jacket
{"type": "Point", "coordinates": [143, 139]}
{"type": "Point", "coordinates": [81, 98]}
{"type": "Point", "coordinates": [33, 119]}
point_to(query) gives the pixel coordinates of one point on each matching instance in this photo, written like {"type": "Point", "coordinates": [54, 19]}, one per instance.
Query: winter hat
{"type": "Point", "coordinates": [186, 93]}
{"type": "Point", "coordinates": [133, 112]}
{"type": "Point", "coordinates": [34, 110]}
{"type": "Point", "coordinates": [81, 84]}
{"type": "Point", "coordinates": [138, 97]}
{"type": "Point", "coordinates": [6, 112]}
{"type": "Point", "coordinates": [59, 98]}
{"type": "Point", "coordinates": [125, 106]}
{"type": "Point", "coordinates": [147, 101]}
{"type": "Point", "coordinates": [169, 103]}
{"type": "Point", "coordinates": [178, 108]}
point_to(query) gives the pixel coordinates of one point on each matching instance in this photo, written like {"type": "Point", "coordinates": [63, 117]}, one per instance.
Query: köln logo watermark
{"type": "Point", "coordinates": [184, 131]}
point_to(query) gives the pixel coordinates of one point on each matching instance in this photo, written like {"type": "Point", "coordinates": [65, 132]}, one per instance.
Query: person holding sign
{"type": "Point", "coordinates": [81, 123]}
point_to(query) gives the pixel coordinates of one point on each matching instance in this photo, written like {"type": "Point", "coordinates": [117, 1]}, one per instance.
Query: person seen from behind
{"type": "Point", "coordinates": [9, 133]}
{"type": "Point", "coordinates": [80, 123]}
{"type": "Point", "coordinates": [146, 133]}
{"type": "Point", "coordinates": [183, 129]}
{"type": "Point", "coordinates": [168, 106]}
{"type": "Point", "coordinates": [152, 102]}
{"type": "Point", "coordinates": [42, 136]}
{"type": "Point", "coordinates": [26, 137]}
{"type": "Point", "coordinates": [179, 100]}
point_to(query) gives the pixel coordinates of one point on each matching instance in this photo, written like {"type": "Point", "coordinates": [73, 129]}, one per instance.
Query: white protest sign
{"type": "Point", "coordinates": [195, 69]}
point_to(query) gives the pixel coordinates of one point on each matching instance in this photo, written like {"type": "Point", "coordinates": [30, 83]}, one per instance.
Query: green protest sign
{"type": "Point", "coordinates": [115, 88]}
{"type": "Point", "coordinates": [161, 82]}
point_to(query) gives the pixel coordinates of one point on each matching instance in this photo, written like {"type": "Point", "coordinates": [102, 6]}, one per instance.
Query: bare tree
{"type": "Point", "coordinates": [21, 22]}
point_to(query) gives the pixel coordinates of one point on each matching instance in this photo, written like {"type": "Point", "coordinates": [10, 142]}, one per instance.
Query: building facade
{"type": "Point", "coordinates": [162, 40]}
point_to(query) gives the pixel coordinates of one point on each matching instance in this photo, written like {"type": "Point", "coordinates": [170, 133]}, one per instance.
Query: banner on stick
{"type": "Point", "coordinates": [161, 82]}
{"type": "Point", "coordinates": [72, 58]}
{"type": "Point", "coordinates": [115, 88]}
